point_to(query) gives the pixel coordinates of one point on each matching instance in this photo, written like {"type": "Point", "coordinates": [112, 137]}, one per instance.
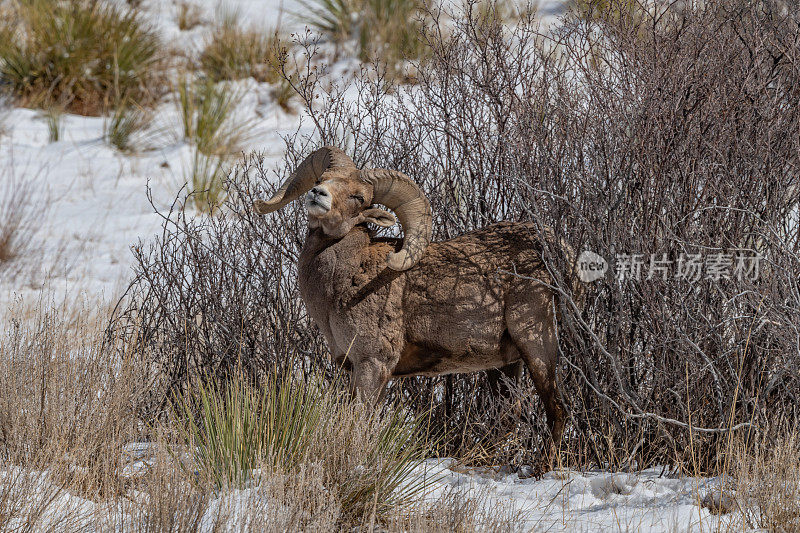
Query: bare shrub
{"type": "Point", "coordinates": [654, 135]}
{"type": "Point", "coordinates": [208, 299]}
{"type": "Point", "coordinates": [669, 133]}
{"type": "Point", "coordinates": [22, 214]}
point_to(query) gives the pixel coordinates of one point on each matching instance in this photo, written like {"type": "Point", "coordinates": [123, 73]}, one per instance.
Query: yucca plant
{"type": "Point", "coordinates": [391, 31]}
{"type": "Point", "coordinates": [338, 20]}
{"type": "Point", "coordinates": [223, 430]}
{"type": "Point", "coordinates": [78, 54]}
{"type": "Point", "coordinates": [234, 428]}
{"type": "Point", "coordinates": [208, 122]}
{"type": "Point", "coordinates": [207, 110]}
{"type": "Point", "coordinates": [384, 30]}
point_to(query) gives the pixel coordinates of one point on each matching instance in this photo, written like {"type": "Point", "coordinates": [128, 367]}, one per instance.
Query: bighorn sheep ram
{"type": "Point", "coordinates": [439, 307]}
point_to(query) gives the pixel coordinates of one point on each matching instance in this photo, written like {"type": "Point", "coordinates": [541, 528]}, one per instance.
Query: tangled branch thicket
{"type": "Point", "coordinates": [666, 133]}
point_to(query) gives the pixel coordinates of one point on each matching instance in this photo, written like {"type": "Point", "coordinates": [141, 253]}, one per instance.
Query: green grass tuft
{"type": "Point", "coordinates": [208, 122]}
{"type": "Point", "coordinates": [52, 117]}
{"type": "Point", "coordinates": [206, 179]}
{"type": "Point", "coordinates": [126, 120]}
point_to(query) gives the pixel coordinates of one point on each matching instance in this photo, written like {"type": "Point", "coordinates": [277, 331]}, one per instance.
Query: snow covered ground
{"type": "Point", "coordinates": [93, 207]}
{"type": "Point", "coordinates": [563, 501]}
{"type": "Point", "coordinates": [92, 198]}
{"type": "Point", "coordinates": [587, 501]}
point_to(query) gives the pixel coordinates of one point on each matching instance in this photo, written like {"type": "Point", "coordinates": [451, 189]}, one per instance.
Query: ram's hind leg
{"type": "Point", "coordinates": [532, 327]}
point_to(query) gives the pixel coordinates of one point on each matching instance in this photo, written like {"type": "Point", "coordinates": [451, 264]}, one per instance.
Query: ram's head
{"type": "Point", "coordinates": [341, 196]}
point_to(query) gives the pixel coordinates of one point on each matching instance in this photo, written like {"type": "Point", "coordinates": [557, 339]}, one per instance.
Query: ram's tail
{"type": "Point", "coordinates": [570, 282]}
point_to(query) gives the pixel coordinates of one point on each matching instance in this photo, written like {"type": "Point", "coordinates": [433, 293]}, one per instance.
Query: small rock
{"type": "Point", "coordinates": [506, 470]}
{"type": "Point", "coordinates": [526, 471]}
{"type": "Point", "coordinates": [718, 502]}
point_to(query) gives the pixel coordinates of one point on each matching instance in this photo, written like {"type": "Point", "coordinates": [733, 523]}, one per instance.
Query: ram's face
{"type": "Point", "coordinates": [339, 203]}
{"type": "Point", "coordinates": [340, 196]}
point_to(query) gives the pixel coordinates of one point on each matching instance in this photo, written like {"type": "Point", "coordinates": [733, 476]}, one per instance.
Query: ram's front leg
{"type": "Point", "coordinates": [368, 380]}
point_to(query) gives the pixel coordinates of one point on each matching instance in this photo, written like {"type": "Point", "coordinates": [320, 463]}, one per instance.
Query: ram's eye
{"type": "Point", "coordinates": [358, 197]}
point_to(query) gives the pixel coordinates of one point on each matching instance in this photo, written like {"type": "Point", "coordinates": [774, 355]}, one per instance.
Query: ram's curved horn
{"type": "Point", "coordinates": [304, 178]}
{"type": "Point", "coordinates": [396, 191]}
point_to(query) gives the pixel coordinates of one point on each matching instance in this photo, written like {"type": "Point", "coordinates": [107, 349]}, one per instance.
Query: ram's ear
{"type": "Point", "coordinates": [380, 217]}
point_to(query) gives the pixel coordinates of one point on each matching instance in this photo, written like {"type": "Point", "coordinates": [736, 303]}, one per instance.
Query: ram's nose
{"type": "Point", "coordinates": [319, 191]}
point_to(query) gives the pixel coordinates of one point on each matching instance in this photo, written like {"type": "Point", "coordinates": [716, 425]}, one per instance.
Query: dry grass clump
{"type": "Point", "coordinates": [17, 218]}
{"type": "Point", "coordinates": [235, 53]}
{"type": "Point", "coordinates": [83, 56]}
{"type": "Point", "coordinates": [22, 215]}
{"type": "Point", "coordinates": [73, 407]}
{"type": "Point", "coordinates": [189, 15]}
{"type": "Point", "coordinates": [454, 512]}
{"type": "Point", "coordinates": [767, 481]}
{"type": "Point", "coordinates": [287, 454]}
{"type": "Point", "coordinates": [160, 497]}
